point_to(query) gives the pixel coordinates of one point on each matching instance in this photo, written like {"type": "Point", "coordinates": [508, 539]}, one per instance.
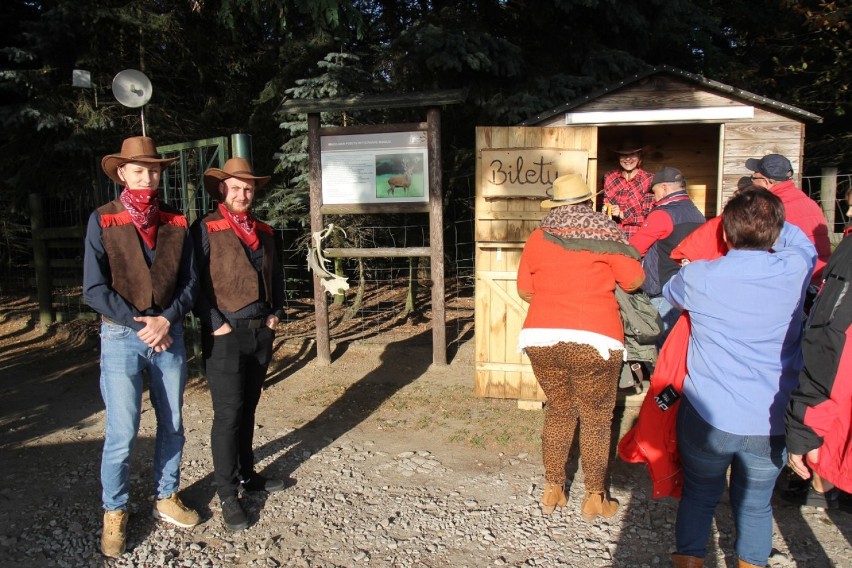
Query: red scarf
{"type": "Point", "coordinates": [243, 225]}
{"type": "Point", "coordinates": [144, 208]}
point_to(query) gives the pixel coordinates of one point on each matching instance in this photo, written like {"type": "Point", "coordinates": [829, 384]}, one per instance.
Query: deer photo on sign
{"type": "Point", "coordinates": [399, 175]}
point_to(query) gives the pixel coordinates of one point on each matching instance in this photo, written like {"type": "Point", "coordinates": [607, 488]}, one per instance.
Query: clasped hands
{"type": "Point", "coordinates": [155, 334]}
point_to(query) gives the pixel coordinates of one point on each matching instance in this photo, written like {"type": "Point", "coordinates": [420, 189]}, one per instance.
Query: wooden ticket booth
{"type": "Point", "coordinates": [702, 127]}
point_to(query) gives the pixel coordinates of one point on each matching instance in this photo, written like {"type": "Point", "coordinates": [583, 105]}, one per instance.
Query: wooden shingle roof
{"type": "Point", "coordinates": [709, 84]}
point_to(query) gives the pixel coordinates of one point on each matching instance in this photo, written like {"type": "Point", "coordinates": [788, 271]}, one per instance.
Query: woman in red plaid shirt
{"type": "Point", "coordinates": [627, 190]}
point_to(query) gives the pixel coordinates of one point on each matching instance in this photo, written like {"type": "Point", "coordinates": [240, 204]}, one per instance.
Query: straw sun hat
{"type": "Point", "coordinates": [569, 189]}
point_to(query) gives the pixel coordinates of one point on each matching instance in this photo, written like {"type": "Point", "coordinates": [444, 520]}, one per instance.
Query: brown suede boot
{"type": "Point", "coordinates": [744, 564]}
{"type": "Point", "coordinates": [684, 561]}
{"type": "Point", "coordinates": [597, 503]}
{"type": "Point", "coordinates": [553, 496]}
{"type": "Point", "coordinates": [114, 536]}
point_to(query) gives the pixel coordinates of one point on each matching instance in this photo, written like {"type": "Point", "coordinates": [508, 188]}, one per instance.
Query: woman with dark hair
{"type": "Point", "coordinates": [573, 335]}
{"type": "Point", "coordinates": [743, 361]}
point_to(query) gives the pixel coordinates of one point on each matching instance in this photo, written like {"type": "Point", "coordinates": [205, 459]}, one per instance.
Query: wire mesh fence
{"type": "Point", "coordinates": [384, 294]}
{"type": "Point", "coordinates": [390, 292]}
{"type": "Point", "coordinates": [837, 212]}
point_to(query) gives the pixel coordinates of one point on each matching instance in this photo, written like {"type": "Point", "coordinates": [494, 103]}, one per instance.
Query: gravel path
{"type": "Point", "coordinates": [367, 492]}
{"type": "Point", "coordinates": [356, 503]}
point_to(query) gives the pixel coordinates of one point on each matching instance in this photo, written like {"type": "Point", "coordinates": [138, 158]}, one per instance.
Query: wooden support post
{"type": "Point", "coordinates": [41, 259]}
{"type": "Point", "coordinates": [828, 195]}
{"type": "Point", "coordinates": [320, 301]}
{"type": "Point", "coordinates": [436, 237]}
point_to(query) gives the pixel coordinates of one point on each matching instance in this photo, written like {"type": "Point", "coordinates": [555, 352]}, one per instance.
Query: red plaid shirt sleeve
{"type": "Point", "coordinates": [633, 198]}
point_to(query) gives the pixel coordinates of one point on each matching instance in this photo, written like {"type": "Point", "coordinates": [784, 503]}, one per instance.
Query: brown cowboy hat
{"type": "Point", "coordinates": [134, 149]}
{"type": "Point", "coordinates": [628, 146]}
{"type": "Point", "coordinates": [234, 168]}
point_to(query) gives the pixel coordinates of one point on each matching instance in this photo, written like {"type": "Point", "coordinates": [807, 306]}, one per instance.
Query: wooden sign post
{"type": "Point", "coordinates": [395, 198]}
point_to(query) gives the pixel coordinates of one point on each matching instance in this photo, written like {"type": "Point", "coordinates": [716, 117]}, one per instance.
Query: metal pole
{"type": "Point", "coordinates": [241, 146]}
{"type": "Point", "coordinates": [142, 112]}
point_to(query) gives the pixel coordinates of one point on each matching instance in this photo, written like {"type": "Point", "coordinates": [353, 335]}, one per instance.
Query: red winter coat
{"type": "Point", "coordinates": [820, 411]}
{"type": "Point", "coordinates": [653, 440]}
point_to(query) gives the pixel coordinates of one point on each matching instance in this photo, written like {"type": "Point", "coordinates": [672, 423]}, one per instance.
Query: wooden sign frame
{"type": "Point", "coordinates": [434, 206]}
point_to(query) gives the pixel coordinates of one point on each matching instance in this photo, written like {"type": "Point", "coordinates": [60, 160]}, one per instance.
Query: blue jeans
{"type": "Point", "coordinates": [755, 462]}
{"type": "Point", "coordinates": [669, 315]}
{"type": "Point", "coordinates": [124, 357]}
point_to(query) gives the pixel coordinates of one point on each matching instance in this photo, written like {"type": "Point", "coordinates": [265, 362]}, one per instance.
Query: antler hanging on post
{"type": "Point", "coordinates": [332, 283]}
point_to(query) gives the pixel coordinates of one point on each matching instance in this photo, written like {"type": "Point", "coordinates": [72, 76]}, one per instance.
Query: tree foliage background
{"type": "Point", "coordinates": [223, 66]}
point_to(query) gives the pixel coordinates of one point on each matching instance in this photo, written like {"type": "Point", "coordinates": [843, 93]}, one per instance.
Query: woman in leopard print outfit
{"type": "Point", "coordinates": [573, 335]}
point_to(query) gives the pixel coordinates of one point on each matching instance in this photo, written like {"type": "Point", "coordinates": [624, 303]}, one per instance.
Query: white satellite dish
{"type": "Point", "coordinates": [133, 89]}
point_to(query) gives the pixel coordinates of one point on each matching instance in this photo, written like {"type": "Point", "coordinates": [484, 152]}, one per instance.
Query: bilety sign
{"type": "Point", "coordinates": [527, 172]}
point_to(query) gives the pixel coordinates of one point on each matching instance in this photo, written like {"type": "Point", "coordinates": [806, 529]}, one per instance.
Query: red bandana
{"type": "Point", "coordinates": [144, 208]}
{"type": "Point", "coordinates": [243, 226]}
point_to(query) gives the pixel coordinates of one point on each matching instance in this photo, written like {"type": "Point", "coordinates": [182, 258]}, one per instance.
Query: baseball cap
{"type": "Point", "coordinates": [668, 175]}
{"type": "Point", "coordinates": [773, 166]}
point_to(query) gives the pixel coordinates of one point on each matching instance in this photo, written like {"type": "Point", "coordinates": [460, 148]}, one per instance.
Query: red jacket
{"type": "Point", "coordinates": [561, 300]}
{"type": "Point", "coordinates": [802, 211]}
{"type": "Point", "coordinates": [832, 420]}
{"type": "Point", "coordinates": [820, 411]}
{"type": "Point", "coordinates": [653, 440]}
{"type": "Point", "coordinates": [799, 210]}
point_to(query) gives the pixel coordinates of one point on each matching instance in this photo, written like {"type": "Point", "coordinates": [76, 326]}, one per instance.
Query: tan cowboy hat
{"type": "Point", "coordinates": [134, 149]}
{"type": "Point", "coordinates": [569, 189]}
{"type": "Point", "coordinates": [234, 168]}
{"type": "Point", "coordinates": [628, 146]}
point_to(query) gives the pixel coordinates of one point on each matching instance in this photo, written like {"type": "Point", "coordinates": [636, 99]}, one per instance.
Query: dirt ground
{"type": "Point", "coordinates": [381, 385]}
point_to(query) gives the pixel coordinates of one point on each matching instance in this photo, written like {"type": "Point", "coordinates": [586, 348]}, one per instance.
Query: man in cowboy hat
{"type": "Point", "coordinates": [626, 190]}
{"type": "Point", "coordinates": [241, 300]}
{"type": "Point", "coordinates": [139, 274]}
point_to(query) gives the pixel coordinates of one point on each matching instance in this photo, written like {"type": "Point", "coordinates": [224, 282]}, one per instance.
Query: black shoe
{"type": "Point", "coordinates": [828, 500]}
{"type": "Point", "coordinates": [258, 483]}
{"type": "Point", "coordinates": [233, 514]}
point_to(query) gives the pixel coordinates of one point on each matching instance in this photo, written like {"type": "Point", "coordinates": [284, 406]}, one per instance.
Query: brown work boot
{"type": "Point", "coordinates": [553, 496]}
{"type": "Point", "coordinates": [596, 503]}
{"type": "Point", "coordinates": [114, 536]}
{"type": "Point", "coordinates": [684, 561]}
{"type": "Point", "coordinates": [173, 511]}
{"type": "Point", "coordinates": [743, 564]}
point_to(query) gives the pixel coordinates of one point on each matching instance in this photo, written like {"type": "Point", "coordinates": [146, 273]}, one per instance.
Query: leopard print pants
{"type": "Point", "coordinates": [580, 386]}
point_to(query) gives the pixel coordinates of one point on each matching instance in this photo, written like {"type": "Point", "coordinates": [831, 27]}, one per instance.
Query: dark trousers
{"type": "Point", "coordinates": [236, 367]}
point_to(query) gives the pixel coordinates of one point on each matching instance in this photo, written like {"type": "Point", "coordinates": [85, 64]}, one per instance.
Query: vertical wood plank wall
{"type": "Point", "coordinates": [502, 228]}
{"type": "Point", "coordinates": [766, 133]}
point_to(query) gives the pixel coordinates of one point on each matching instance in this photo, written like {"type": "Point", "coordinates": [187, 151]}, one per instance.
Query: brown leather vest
{"type": "Point", "coordinates": [232, 282]}
{"type": "Point", "coordinates": [140, 285]}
